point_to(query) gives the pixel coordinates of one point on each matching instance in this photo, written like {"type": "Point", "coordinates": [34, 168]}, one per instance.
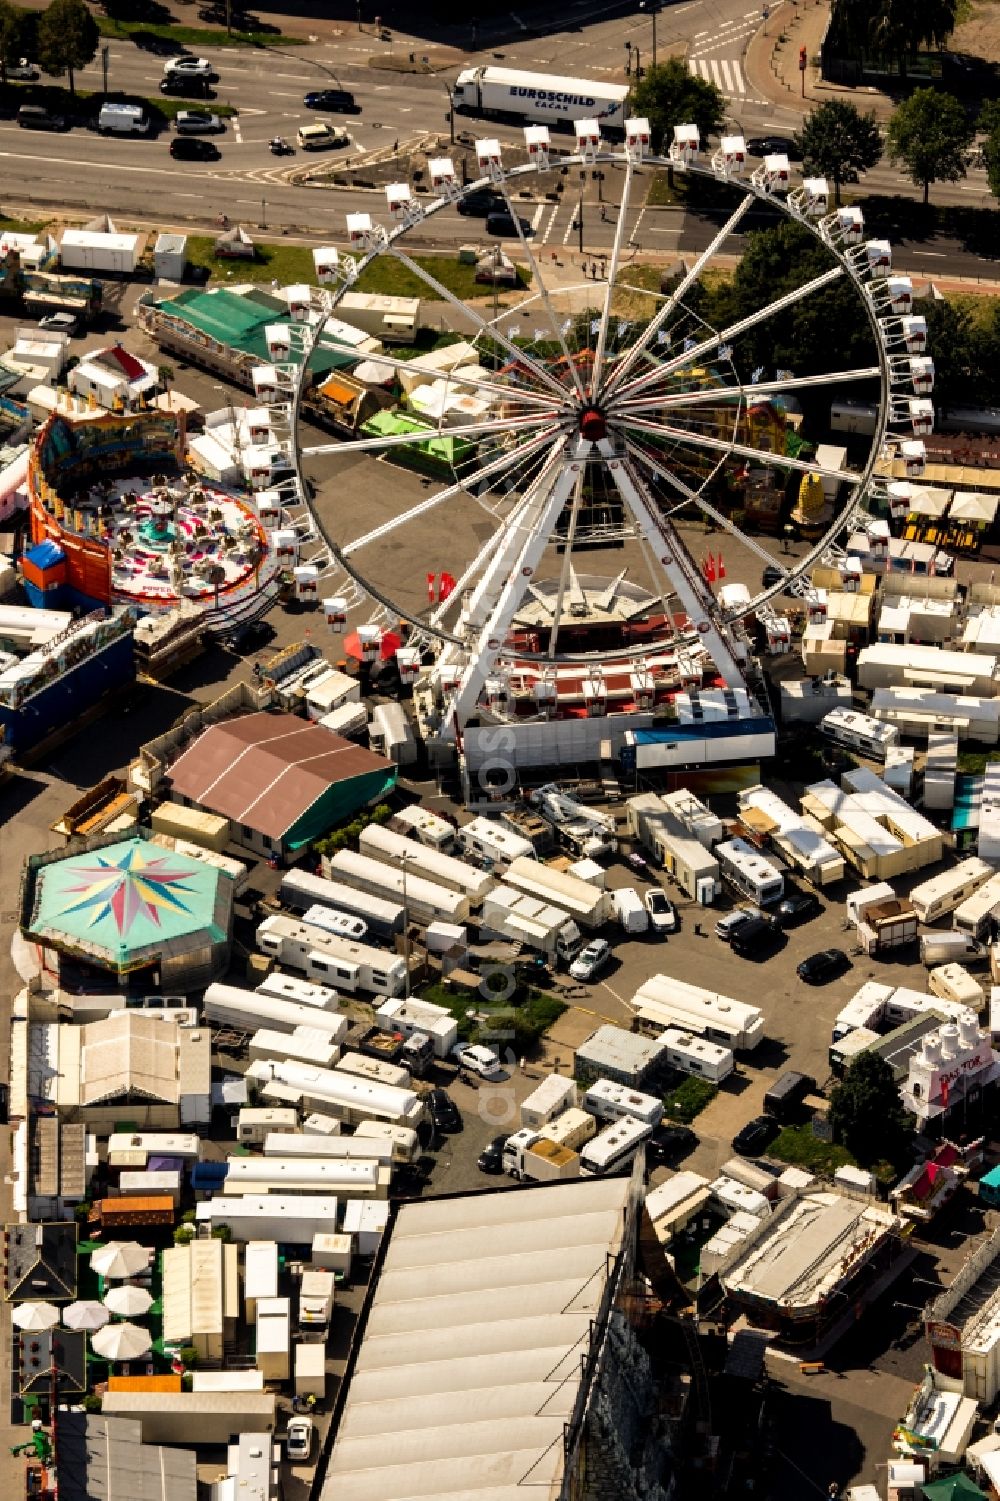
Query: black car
{"type": "Point", "coordinates": [194, 149]}
{"type": "Point", "coordinates": [772, 575]}
{"type": "Point", "coordinates": [443, 1111]}
{"type": "Point", "coordinates": [36, 117]}
{"type": "Point", "coordinates": [340, 101]}
{"type": "Point", "coordinates": [756, 1136]}
{"type": "Point", "coordinates": [186, 87]}
{"type": "Point", "coordinates": [667, 1143]}
{"type": "Point", "coordinates": [481, 204]}
{"type": "Point", "coordinates": [491, 1158]}
{"type": "Point", "coordinates": [249, 633]}
{"type": "Point", "coordinates": [824, 966]}
{"type": "Point", "coordinates": [796, 907]}
{"type": "Point", "coordinates": [774, 146]}
{"type": "Point", "coordinates": [755, 936]}
{"type": "Point", "coordinates": [503, 224]}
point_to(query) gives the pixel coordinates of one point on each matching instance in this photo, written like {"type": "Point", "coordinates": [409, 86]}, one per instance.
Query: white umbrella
{"type": "Point", "coordinates": [972, 505]}
{"type": "Point", "coordinates": [122, 1342]}
{"type": "Point", "coordinates": [120, 1259]}
{"type": "Point", "coordinates": [129, 1300]}
{"type": "Point", "coordinates": [35, 1316]}
{"type": "Point", "coordinates": [85, 1315]}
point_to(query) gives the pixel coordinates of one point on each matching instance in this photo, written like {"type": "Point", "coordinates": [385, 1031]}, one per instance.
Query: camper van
{"type": "Point", "coordinates": [749, 873]}
{"type": "Point", "coordinates": [484, 839]}
{"type": "Point", "coordinates": [859, 733]}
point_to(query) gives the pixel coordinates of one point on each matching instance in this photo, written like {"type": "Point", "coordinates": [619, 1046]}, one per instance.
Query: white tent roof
{"type": "Point", "coordinates": [474, 1397]}
{"type": "Point", "coordinates": [972, 505]}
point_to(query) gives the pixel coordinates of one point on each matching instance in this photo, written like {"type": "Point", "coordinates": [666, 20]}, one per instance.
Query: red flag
{"type": "Point", "coordinates": [431, 580]}
{"type": "Point", "coordinates": [445, 587]}
{"type": "Point", "coordinates": [944, 1094]}
{"type": "Point", "coordinates": [710, 569]}
{"type": "Point", "coordinates": [722, 567]}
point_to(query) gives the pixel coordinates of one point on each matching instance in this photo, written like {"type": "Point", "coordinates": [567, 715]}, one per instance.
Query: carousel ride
{"type": "Point", "coordinates": [596, 444]}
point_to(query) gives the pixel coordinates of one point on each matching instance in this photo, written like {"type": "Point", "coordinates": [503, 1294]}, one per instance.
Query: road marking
{"type": "Point", "coordinates": [569, 228]}
{"type": "Point", "coordinates": [537, 218]}
{"type": "Point", "coordinates": [701, 33]}
{"type": "Point", "coordinates": [237, 133]}
{"type": "Point", "coordinates": [715, 70]}
{"type": "Point", "coordinates": [727, 76]}
{"type": "Point", "coordinates": [738, 72]}
{"type": "Point", "coordinates": [934, 255]}
{"type": "Point", "coordinates": [543, 237]}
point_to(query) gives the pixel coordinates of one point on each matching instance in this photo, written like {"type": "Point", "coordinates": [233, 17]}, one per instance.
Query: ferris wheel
{"type": "Point", "coordinates": [552, 476]}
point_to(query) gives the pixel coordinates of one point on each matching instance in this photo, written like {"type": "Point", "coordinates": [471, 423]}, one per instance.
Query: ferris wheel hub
{"type": "Point", "coordinates": [593, 426]}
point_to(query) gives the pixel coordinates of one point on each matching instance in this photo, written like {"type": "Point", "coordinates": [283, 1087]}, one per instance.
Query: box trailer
{"type": "Point", "coordinates": [486, 839]}
{"type": "Point", "coordinates": [610, 1101]}
{"type": "Point", "coordinates": [588, 905]}
{"type": "Point", "coordinates": [662, 1002]}
{"type": "Point", "coordinates": [253, 1124]}
{"type": "Point", "coordinates": [979, 915]}
{"type": "Point", "coordinates": [537, 1159]}
{"type": "Point", "coordinates": [749, 873]}
{"type": "Point", "coordinates": [331, 691]}
{"type": "Point", "coordinates": [571, 1128]}
{"type": "Point", "coordinates": [300, 890]}
{"type": "Point", "coordinates": [614, 1148]}
{"type": "Point", "coordinates": [404, 1141]}
{"type": "Point", "coordinates": [949, 948]}
{"type": "Point", "coordinates": [340, 1148]}
{"type": "Point", "coordinates": [540, 98]}
{"type": "Point", "coordinates": [99, 250]}
{"type": "Point", "coordinates": [445, 870]}
{"type": "Point", "coordinates": [943, 893]}
{"type": "Point", "coordinates": [193, 824]}
{"type": "Point", "coordinates": [390, 734]}
{"type": "Point", "coordinates": [869, 896]}
{"type": "Point", "coordinates": [887, 925]}
{"type": "Point", "coordinates": [347, 1096]}
{"type": "Point", "coordinates": [304, 1043]}
{"type": "Point", "coordinates": [859, 733]}
{"type": "Point", "coordinates": [426, 901]}
{"type": "Point", "coordinates": [426, 827]}
{"type": "Point", "coordinates": [374, 1068]}
{"type": "Point", "coordinates": [304, 992]}
{"type": "Point", "coordinates": [685, 858]}
{"type": "Point", "coordinates": [288, 1219]}
{"type": "Point", "coordinates": [419, 1017]}
{"type": "Point", "coordinates": [249, 1010]}
{"type": "Point", "coordinates": [538, 924]}
{"type": "Point", "coordinates": [952, 982]}
{"type": "Point", "coordinates": [913, 666]}
{"type": "Point", "coordinates": [330, 920]}
{"type": "Point", "coordinates": [549, 1099]}
{"type": "Point", "coordinates": [338, 961]}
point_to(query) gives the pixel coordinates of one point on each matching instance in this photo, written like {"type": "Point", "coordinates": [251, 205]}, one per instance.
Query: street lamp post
{"type": "Point", "coordinates": [451, 107]}
{"type": "Point", "coordinates": [653, 7]}
{"type": "Point", "coordinates": [579, 217]}
{"type": "Point", "coordinates": [406, 930]}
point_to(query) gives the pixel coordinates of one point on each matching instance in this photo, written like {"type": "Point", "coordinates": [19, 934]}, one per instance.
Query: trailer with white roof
{"type": "Point", "coordinates": [300, 890]}
{"type": "Point", "coordinates": [249, 1010]}
{"type": "Point", "coordinates": [693, 1054]}
{"type": "Point", "coordinates": [486, 839]}
{"type": "Point", "coordinates": [374, 1068]}
{"type": "Point", "coordinates": [662, 1002]}
{"type": "Point", "coordinates": [323, 956]}
{"type": "Point", "coordinates": [428, 828]}
{"type": "Point", "coordinates": [979, 915]}
{"type": "Point", "coordinates": [287, 1219]}
{"type": "Point", "coordinates": [614, 1147]}
{"type": "Point", "coordinates": [611, 1101]}
{"type": "Point", "coordinates": [304, 992]}
{"type": "Point", "coordinates": [416, 1017]}
{"type": "Point", "coordinates": [347, 1096]}
{"type": "Point", "coordinates": [446, 870]}
{"type": "Point", "coordinates": [860, 733]}
{"type": "Point", "coordinates": [941, 894]}
{"type": "Point", "coordinates": [426, 901]}
{"type": "Point", "coordinates": [548, 1099]}
{"type": "Point", "coordinates": [748, 873]}
{"type": "Point", "coordinates": [587, 904]}
{"type": "Point", "coordinates": [356, 1148]}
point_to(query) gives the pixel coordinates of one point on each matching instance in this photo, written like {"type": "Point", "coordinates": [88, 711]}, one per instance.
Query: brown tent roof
{"type": "Point", "coordinates": [267, 770]}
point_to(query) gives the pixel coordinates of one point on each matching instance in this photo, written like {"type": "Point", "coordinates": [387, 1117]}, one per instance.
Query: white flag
{"type": "Point", "coordinates": [541, 334]}
{"type": "Point", "coordinates": [567, 326]}
{"type": "Point", "coordinates": [662, 337]}
{"type": "Point", "coordinates": [595, 325]}
{"type": "Point", "coordinates": [512, 330]}
{"type": "Point", "coordinates": [623, 329]}
{"type": "Point", "coordinates": [725, 351]}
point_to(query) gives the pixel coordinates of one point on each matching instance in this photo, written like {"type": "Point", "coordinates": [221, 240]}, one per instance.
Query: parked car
{"type": "Point", "coordinates": [755, 936]}
{"type": "Point", "coordinates": [638, 862]}
{"type": "Point", "coordinates": [340, 101]}
{"type": "Point", "coordinates": [298, 1439]}
{"type": "Point", "coordinates": [772, 575]}
{"type": "Point", "coordinates": [482, 203]}
{"type": "Point", "coordinates": [193, 149]}
{"type": "Point", "coordinates": [501, 223]}
{"type": "Point", "coordinates": [197, 122]}
{"type": "Point", "coordinates": [36, 117]}
{"type": "Point", "coordinates": [190, 67]}
{"type": "Point", "coordinates": [59, 323]}
{"type": "Point", "coordinates": [796, 907]}
{"type": "Point", "coordinates": [477, 1059]}
{"type": "Point", "coordinates": [247, 635]}
{"type": "Point", "coordinates": [663, 916]}
{"type": "Point", "coordinates": [187, 85]}
{"type": "Point", "coordinates": [491, 1157]}
{"type": "Point", "coordinates": [824, 966]}
{"type": "Point", "coordinates": [23, 71]}
{"type": "Point", "coordinates": [728, 925]}
{"type": "Point", "coordinates": [590, 961]}
{"type": "Point", "coordinates": [444, 1113]}
{"type": "Point", "coordinates": [756, 1136]}
{"type": "Point", "coordinates": [667, 1143]}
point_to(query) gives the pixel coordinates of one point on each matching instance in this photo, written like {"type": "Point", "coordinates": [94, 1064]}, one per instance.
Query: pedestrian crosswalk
{"type": "Point", "coordinates": [725, 73]}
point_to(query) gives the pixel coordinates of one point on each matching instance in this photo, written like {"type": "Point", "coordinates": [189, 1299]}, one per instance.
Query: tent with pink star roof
{"type": "Point", "coordinates": [127, 904]}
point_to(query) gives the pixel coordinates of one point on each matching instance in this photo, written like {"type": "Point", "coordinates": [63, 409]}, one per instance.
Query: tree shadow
{"type": "Point", "coordinates": [808, 1440]}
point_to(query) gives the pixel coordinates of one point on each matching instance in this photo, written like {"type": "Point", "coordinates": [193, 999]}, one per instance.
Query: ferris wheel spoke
{"type": "Point", "coordinates": [544, 292]}
{"type": "Point", "coordinates": [520, 356]}
{"type": "Point", "coordinates": [636, 350]}
{"type": "Point", "coordinates": [566, 570]}
{"type": "Point", "coordinates": [740, 450]}
{"type": "Point", "coordinates": [672, 400]}
{"type": "Point", "coordinates": [423, 435]}
{"type": "Point", "coordinates": [616, 247]}
{"type": "Point", "coordinates": [458, 378]}
{"type": "Point", "coordinates": [643, 457]}
{"type": "Point", "coordinates": [498, 466]}
{"type": "Point", "coordinates": [733, 331]}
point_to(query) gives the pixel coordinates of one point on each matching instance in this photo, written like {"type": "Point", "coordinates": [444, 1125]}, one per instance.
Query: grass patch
{"type": "Point", "coordinates": [85, 104]}
{"type": "Point", "coordinates": [387, 275]}
{"type": "Point", "coordinates": [426, 342]}
{"type": "Point", "coordinates": [195, 36]}
{"type": "Point", "coordinates": [21, 226]}
{"type": "Point", "coordinates": [519, 1022]}
{"type": "Point", "coordinates": [661, 194]}
{"type": "Point", "coordinates": [689, 1099]}
{"type": "Point", "coordinates": [798, 1146]}
{"type": "Point", "coordinates": [286, 264]}
{"type": "Point", "coordinates": [974, 763]}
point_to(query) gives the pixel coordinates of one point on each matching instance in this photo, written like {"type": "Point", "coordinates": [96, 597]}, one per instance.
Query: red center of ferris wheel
{"type": "Point", "coordinates": [592, 424]}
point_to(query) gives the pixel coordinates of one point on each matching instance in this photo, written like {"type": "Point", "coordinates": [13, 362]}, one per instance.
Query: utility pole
{"type": "Point", "coordinates": [229, 17]}
{"type": "Point", "coordinates": [406, 929]}
{"type": "Point", "coordinates": [105, 55]}
{"type": "Point", "coordinates": [451, 108]}
{"type": "Point", "coordinates": [579, 217]}
{"type": "Point", "coordinates": [360, 27]}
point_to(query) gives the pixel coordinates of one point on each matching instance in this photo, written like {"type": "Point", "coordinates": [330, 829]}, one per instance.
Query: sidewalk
{"type": "Point", "coordinates": [772, 62]}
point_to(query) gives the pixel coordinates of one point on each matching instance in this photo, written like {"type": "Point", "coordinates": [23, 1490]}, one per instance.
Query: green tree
{"type": "Point", "coordinates": [839, 142]}
{"type": "Point", "coordinates": [866, 1113]}
{"type": "Point", "coordinates": [68, 39]}
{"type": "Point", "coordinates": [891, 29]}
{"type": "Point", "coordinates": [960, 350]}
{"type": "Point", "coordinates": [669, 95]}
{"type": "Point", "coordinates": [11, 37]}
{"type": "Point", "coordinates": [929, 135]}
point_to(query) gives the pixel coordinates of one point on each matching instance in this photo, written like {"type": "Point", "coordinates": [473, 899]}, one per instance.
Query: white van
{"type": "Point", "coordinates": [630, 910]}
{"type": "Point", "coordinates": [123, 120]}
{"type": "Point", "coordinates": [320, 137]}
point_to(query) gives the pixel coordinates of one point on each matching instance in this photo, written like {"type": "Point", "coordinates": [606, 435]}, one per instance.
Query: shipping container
{"type": "Point", "coordinates": [331, 691]}
{"type": "Point", "coordinates": [193, 824]}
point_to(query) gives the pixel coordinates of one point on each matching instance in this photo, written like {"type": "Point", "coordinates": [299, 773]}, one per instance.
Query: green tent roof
{"type": "Point", "coordinates": [238, 320]}
{"type": "Point", "coordinates": [957, 1487]}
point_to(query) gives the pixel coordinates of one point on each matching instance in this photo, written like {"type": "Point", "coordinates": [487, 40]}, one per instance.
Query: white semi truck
{"type": "Point", "coordinates": [541, 98]}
